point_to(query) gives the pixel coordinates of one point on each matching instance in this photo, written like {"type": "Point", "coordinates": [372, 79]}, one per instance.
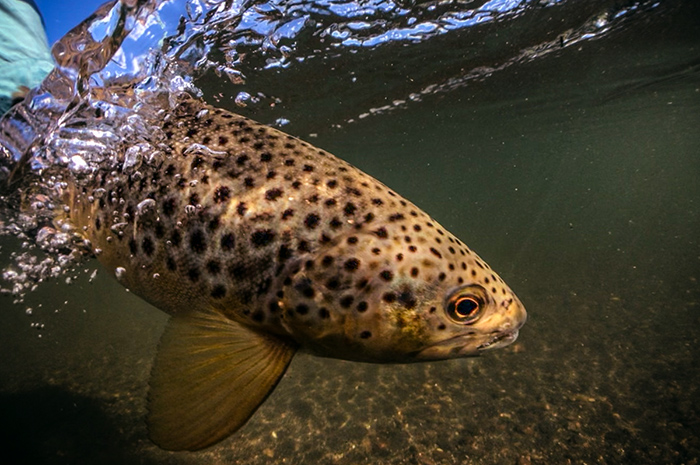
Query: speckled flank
{"type": "Point", "coordinates": [278, 234]}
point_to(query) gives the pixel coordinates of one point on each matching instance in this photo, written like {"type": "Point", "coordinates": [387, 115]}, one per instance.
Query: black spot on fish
{"type": "Point", "coordinates": [335, 223]}
{"type": "Point", "coordinates": [365, 335]}
{"type": "Point", "coordinates": [305, 288]}
{"type": "Point", "coordinates": [389, 297]}
{"type": "Point", "coordinates": [213, 224]}
{"type": "Point", "coordinates": [242, 159]}
{"type": "Point", "coordinates": [159, 230]}
{"type": "Point", "coordinates": [353, 191]}
{"type": "Point", "coordinates": [302, 309]}
{"type": "Point", "coordinates": [147, 246]}
{"type": "Point", "coordinates": [249, 182]}
{"type": "Point", "coordinates": [197, 162]}
{"type": "Point", "coordinates": [213, 267]}
{"type": "Point", "coordinates": [273, 194]}
{"type": "Point", "coordinates": [332, 183]}
{"type": "Point", "coordinates": [219, 291]}
{"type": "Point", "coordinates": [238, 271]}
{"type": "Point", "coordinates": [262, 237]}
{"type": "Point", "coordinates": [198, 242]}
{"type": "Point", "coordinates": [133, 246]}
{"type": "Point", "coordinates": [265, 156]}
{"type": "Point", "coordinates": [285, 253]}
{"type": "Point", "coordinates": [396, 217]}
{"type": "Point", "coordinates": [175, 238]}
{"type": "Point", "coordinates": [222, 194]}
{"type": "Point", "coordinates": [414, 272]}
{"type": "Point", "coordinates": [312, 220]}
{"type": "Point", "coordinates": [288, 213]}
{"type": "Point", "coordinates": [323, 313]}
{"type": "Point", "coordinates": [381, 233]}
{"type": "Point", "coordinates": [435, 252]}
{"type": "Point", "coordinates": [169, 206]}
{"type": "Point", "coordinates": [228, 241]}
{"type": "Point", "coordinates": [333, 284]}
{"type": "Point", "coordinates": [407, 299]}
{"type": "Point", "coordinates": [327, 261]}
{"type": "Point", "coordinates": [193, 274]}
{"type": "Point", "coordinates": [308, 168]}
{"type": "Point", "coordinates": [349, 209]}
{"type": "Point", "coordinates": [362, 307]}
{"type": "Point", "coordinates": [386, 275]}
{"type": "Point", "coordinates": [352, 264]}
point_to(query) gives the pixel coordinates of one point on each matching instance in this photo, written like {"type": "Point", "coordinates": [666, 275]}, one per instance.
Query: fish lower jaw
{"type": "Point", "coordinates": [500, 340]}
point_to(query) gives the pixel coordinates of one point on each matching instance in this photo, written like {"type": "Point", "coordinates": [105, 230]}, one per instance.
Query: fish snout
{"type": "Point", "coordinates": [514, 317]}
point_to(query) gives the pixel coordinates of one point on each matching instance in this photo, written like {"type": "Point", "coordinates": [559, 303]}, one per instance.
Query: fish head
{"type": "Point", "coordinates": [379, 298]}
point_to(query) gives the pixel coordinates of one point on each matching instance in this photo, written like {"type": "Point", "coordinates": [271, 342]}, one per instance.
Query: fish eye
{"type": "Point", "coordinates": [464, 308]}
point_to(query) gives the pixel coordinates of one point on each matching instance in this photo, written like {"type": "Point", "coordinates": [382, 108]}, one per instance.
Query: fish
{"type": "Point", "coordinates": [259, 245]}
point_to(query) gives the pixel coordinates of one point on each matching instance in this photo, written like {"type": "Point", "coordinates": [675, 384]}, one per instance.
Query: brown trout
{"type": "Point", "coordinates": [259, 244]}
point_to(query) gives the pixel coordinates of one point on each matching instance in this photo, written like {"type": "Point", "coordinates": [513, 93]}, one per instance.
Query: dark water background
{"type": "Point", "coordinates": [576, 176]}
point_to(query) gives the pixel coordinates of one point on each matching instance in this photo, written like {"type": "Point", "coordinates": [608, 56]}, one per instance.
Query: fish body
{"type": "Point", "coordinates": [259, 244]}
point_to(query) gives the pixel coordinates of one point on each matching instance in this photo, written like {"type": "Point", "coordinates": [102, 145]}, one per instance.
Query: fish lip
{"type": "Point", "coordinates": [501, 339]}
{"type": "Point", "coordinates": [463, 345]}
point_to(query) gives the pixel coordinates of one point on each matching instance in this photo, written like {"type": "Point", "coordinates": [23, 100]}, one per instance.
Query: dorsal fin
{"type": "Point", "coordinates": [209, 376]}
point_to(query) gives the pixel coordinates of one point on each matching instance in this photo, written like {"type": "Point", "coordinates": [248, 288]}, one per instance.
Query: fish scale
{"type": "Point", "coordinates": [273, 245]}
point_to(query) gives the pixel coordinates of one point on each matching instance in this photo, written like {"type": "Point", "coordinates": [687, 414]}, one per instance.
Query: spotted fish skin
{"type": "Point", "coordinates": [286, 238]}
{"type": "Point", "coordinates": [259, 244]}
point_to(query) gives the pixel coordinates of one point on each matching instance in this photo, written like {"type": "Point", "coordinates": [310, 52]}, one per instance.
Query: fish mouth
{"type": "Point", "coordinates": [500, 340]}
{"type": "Point", "coordinates": [469, 345]}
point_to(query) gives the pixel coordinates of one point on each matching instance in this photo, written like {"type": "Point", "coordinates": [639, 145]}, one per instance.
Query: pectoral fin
{"type": "Point", "coordinates": [209, 376]}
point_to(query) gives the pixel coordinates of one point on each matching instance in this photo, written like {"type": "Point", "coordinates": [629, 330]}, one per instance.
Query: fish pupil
{"type": "Point", "coordinates": [464, 309]}
{"type": "Point", "coordinates": [466, 306]}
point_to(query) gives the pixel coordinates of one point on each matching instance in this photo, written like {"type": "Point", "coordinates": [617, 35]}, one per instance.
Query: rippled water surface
{"type": "Point", "coordinates": [558, 139]}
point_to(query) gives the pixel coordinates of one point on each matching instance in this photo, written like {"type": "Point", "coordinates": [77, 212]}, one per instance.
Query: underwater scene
{"type": "Point", "coordinates": [189, 276]}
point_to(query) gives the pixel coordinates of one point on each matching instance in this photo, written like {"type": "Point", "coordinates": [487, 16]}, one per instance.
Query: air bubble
{"type": "Point", "coordinates": [145, 206]}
